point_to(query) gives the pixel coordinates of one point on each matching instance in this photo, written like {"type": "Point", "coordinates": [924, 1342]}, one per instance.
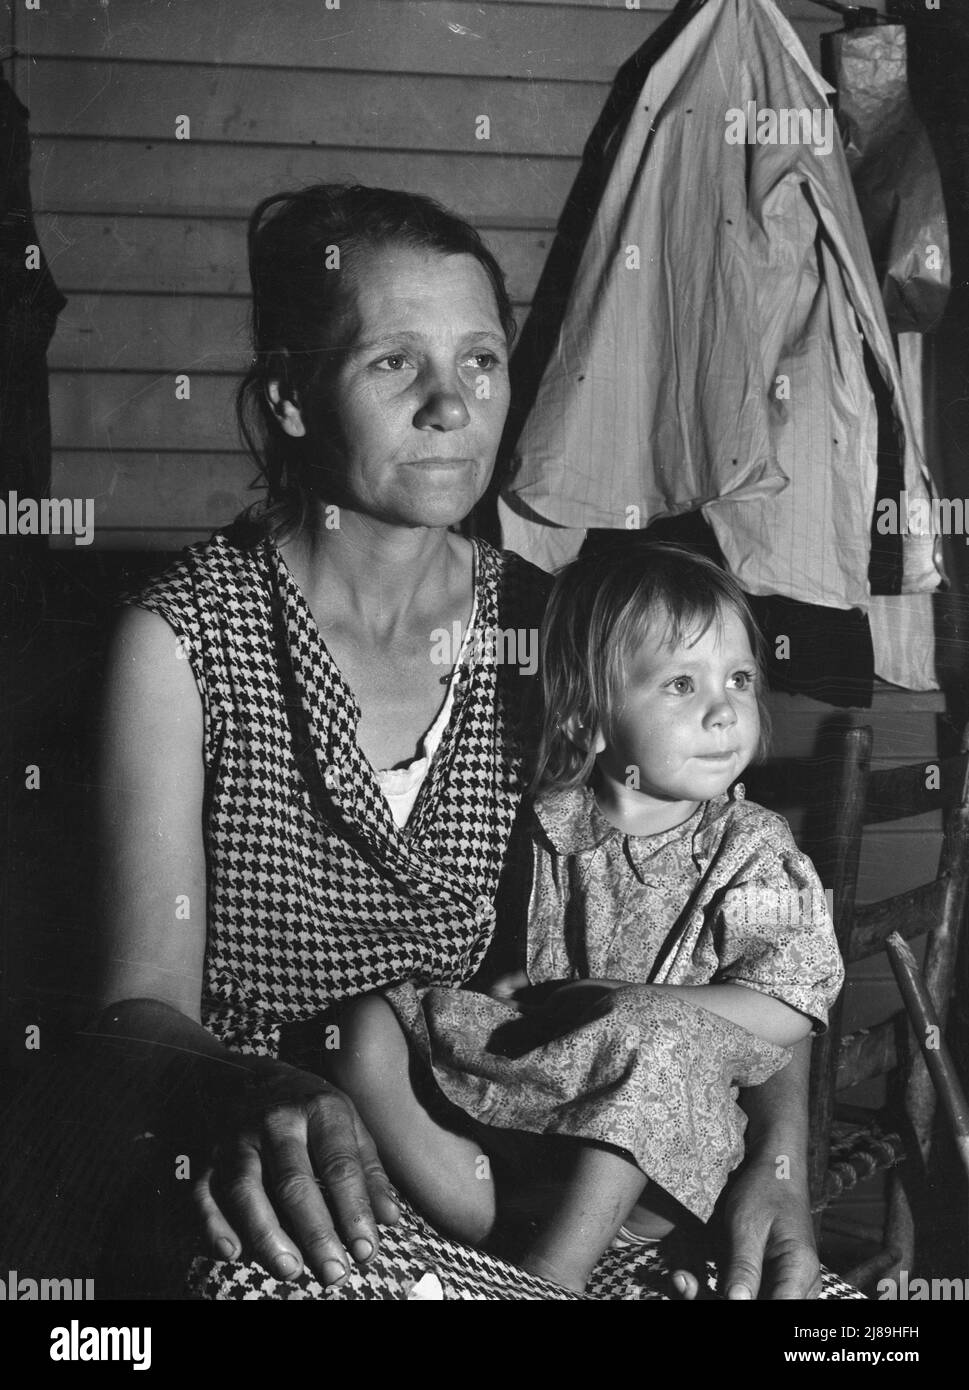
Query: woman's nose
{"type": "Point", "coordinates": [443, 407]}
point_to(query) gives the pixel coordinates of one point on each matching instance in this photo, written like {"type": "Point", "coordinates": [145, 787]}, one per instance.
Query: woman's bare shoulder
{"type": "Point", "coordinates": [148, 656]}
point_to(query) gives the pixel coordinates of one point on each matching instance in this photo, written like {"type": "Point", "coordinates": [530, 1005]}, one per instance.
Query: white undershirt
{"type": "Point", "coordinates": [402, 785]}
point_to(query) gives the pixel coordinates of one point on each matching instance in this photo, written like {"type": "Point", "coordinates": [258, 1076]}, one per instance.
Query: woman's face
{"type": "Point", "coordinates": [413, 415]}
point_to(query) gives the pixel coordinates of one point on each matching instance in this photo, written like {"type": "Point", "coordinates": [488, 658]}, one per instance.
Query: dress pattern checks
{"type": "Point", "coordinates": [314, 894]}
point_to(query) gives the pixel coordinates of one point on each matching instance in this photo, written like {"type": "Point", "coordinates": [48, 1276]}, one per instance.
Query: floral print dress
{"type": "Point", "coordinates": [724, 898]}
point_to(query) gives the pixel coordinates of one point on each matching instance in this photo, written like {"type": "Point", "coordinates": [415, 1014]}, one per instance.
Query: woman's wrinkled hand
{"type": "Point", "coordinates": [297, 1182]}
{"type": "Point", "coordinates": [769, 1249]}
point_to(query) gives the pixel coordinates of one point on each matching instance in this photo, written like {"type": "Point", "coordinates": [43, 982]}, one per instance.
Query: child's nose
{"type": "Point", "coordinates": [721, 712]}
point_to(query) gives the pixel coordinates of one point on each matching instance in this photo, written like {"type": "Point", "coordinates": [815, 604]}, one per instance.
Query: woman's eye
{"type": "Point", "coordinates": [484, 361]}
{"type": "Point", "coordinates": [393, 362]}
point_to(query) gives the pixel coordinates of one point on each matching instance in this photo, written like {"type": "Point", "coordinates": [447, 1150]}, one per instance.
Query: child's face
{"type": "Point", "coordinates": [689, 721]}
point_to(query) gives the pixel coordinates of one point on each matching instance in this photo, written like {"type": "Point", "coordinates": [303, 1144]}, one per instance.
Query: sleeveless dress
{"type": "Point", "coordinates": [314, 893]}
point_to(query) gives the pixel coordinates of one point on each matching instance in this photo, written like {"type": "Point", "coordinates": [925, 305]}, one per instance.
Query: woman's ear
{"type": "Point", "coordinates": [287, 412]}
{"type": "Point", "coordinates": [589, 740]}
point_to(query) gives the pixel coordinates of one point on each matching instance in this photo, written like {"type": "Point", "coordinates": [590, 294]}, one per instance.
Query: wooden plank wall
{"type": "Point", "coordinates": [145, 232]}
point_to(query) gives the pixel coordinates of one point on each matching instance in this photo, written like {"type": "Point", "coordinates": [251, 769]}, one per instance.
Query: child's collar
{"type": "Point", "coordinates": [573, 823]}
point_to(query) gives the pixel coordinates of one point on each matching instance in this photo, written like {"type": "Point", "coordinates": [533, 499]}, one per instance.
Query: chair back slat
{"type": "Point", "coordinates": [900, 792]}
{"type": "Point", "coordinates": [911, 914]}
{"type": "Point", "coordinates": [867, 1053]}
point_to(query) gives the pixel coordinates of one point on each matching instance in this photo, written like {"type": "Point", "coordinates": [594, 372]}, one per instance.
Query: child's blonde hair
{"type": "Point", "coordinates": [601, 608]}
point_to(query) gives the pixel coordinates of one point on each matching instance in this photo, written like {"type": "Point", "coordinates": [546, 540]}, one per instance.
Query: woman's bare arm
{"type": "Point", "coordinates": [291, 1129]}
{"type": "Point", "coordinates": [151, 789]}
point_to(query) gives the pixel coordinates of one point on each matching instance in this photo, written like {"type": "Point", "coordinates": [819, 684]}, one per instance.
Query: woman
{"type": "Point", "coordinates": [301, 802]}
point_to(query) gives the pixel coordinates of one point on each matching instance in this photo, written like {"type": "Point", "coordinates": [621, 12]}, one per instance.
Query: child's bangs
{"type": "Point", "coordinates": [667, 616]}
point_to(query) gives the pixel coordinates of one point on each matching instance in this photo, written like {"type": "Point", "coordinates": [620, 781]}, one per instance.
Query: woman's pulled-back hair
{"type": "Point", "coordinates": [304, 252]}
{"type": "Point", "coordinates": [600, 610]}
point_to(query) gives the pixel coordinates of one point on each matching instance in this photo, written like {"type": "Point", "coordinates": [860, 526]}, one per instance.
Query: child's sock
{"type": "Point", "coordinates": [625, 1239]}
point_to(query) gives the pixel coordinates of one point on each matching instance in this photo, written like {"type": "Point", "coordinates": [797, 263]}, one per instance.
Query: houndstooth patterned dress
{"type": "Point", "coordinates": [314, 894]}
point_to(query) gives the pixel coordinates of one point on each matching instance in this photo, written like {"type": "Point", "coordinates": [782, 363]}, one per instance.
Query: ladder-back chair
{"type": "Point", "coordinates": [848, 1145]}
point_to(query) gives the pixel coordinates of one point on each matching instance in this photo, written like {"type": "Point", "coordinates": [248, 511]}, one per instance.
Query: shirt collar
{"type": "Point", "coordinates": [573, 824]}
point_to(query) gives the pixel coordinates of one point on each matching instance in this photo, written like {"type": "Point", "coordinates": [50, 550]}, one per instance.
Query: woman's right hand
{"type": "Point", "coordinates": [294, 1178]}
{"type": "Point", "coordinates": [297, 1182]}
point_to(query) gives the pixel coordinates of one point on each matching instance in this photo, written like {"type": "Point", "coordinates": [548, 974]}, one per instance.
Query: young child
{"type": "Point", "coordinates": [678, 943]}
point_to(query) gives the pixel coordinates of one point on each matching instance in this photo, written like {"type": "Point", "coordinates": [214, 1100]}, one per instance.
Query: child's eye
{"type": "Point", "coordinates": [683, 685]}
{"type": "Point", "coordinates": [743, 680]}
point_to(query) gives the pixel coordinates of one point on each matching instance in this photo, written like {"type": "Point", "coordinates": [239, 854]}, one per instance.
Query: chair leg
{"type": "Point", "coordinates": [900, 1227]}
{"type": "Point", "coordinates": [898, 1246]}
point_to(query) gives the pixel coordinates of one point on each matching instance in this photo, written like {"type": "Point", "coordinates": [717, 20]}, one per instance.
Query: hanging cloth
{"type": "Point", "coordinates": [29, 305]}
{"type": "Point", "coordinates": [894, 173]}
{"type": "Point", "coordinates": [713, 349]}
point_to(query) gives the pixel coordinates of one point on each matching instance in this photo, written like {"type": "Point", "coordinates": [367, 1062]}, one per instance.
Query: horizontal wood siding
{"type": "Point", "coordinates": [146, 233]}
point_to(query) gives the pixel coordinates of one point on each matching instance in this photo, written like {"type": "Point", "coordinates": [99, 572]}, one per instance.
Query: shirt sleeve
{"type": "Point", "coordinates": [774, 931]}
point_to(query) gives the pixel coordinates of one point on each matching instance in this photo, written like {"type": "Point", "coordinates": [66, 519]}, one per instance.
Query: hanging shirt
{"type": "Point", "coordinates": [712, 351]}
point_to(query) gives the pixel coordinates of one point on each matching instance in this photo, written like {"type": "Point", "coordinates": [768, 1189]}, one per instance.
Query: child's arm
{"type": "Point", "coordinates": [758, 1013]}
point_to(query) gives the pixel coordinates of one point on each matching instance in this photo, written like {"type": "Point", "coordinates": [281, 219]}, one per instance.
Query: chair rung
{"type": "Point", "coordinates": [856, 1229]}
{"type": "Point", "coordinates": [866, 1272]}
{"type": "Point", "coordinates": [857, 1159]}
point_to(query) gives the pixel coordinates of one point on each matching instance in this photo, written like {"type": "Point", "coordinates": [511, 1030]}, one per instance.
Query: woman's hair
{"type": "Point", "coordinates": [601, 608]}
{"type": "Point", "coordinates": [305, 250]}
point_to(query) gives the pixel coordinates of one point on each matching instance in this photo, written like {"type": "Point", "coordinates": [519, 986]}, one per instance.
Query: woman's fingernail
{"type": "Point", "coordinates": [679, 1282]}
{"type": "Point", "coordinates": [361, 1249]}
{"type": "Point", "coordinates": [227, 1248]}
{"type": "Point", "coordinates": [738, 1291]}
{"type": "Point", "coordinates": [333, 1272]}
{"type": "Point", "coordinates": [286, 1266]}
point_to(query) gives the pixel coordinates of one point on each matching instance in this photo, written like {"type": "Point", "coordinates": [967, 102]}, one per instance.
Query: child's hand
{"type": "Point", "coordinates": [546, 1011]}
{"type": "Point", "coordinates": [516, 989]}
{"type": "Point", "coordinates": [507, 987]}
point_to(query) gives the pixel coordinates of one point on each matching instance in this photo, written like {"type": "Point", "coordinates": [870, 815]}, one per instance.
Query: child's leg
{"type": "Point", "coordinates": [442, 1172]}
{"type": "Point", "coordinates": [595, 1200]}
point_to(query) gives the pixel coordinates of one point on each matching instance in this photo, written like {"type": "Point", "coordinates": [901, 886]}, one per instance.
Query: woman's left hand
{"type": "Point", "coordinates": [769, 1250]}
{"type": "Point", "coordinates": [770, 1237]}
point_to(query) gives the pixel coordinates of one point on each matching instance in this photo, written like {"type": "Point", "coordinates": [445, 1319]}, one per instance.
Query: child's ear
{"type": "Point", "coordinates": [589, 740]}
